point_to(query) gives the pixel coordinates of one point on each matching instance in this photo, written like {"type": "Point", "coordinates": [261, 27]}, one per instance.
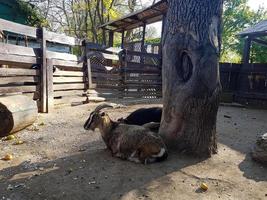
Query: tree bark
{"type": "Point", "coordinates": [191, 85]}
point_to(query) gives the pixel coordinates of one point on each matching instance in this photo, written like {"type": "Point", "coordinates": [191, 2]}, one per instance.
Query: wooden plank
{"type": "Point", "coordinates": [110, 38]}
{"type": "Point", "coordinates": [122, 39]}
{"type": "Point", "coordinates": [10, 59]}
{"type": "Point", "coordinates": [61, 56]}
{"type": "Point", "coordinates": [62, 39]}
{"type": "Point", "coordinates": [246, 51]}
{"type": "Point", "coordinates": [89, 74]}
{"type": "Point", "coordinates": [108, 86]}
{"type": "Point", "coordinates": [140, 83]}
{"type": "Point", "coordinates": [74, 86]}
{"type": "Point", "coordinates": [106, 76]}
{"type": "Point", "coordinates": [71, 100]}
{"type": "Point", "coordinates": [143, 54]}
{"type": "Point", "coordinates": [43, 83]}
{"type": "Point", "coordinates": [11, 49]}
{"type": "Point", "coordinates": [102, 55]}
{"type": "Point", "coordinates": [18, 79]}
{"type": "Point", "coordinates": [68, 80]}
{"type": "Point", "coordinates": [69, 93]}
{"type": "Point", "coordinates": [50, 85]}
{"type": "Point", "coordinates": [136, 65]}
{"type": "Point", "coordinates": [11, 89]}
{"type": "Point", "coordinates": [18, 72]}
{"type": "Point", "coordinates": [67, 63]}
{"type": "Point", "coordinates": [259, 41]}
{"type": "Point", "coordinates": [67, 73]}
{"type": "Point", "coordinates": [17, 28]}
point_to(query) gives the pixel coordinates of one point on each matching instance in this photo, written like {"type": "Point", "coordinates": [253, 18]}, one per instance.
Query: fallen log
{"type": "Point", "coordinates": [16, 113]}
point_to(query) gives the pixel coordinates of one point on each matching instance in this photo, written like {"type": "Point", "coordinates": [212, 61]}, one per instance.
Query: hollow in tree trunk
{"type": "Point", "coordinates": [191, 85]}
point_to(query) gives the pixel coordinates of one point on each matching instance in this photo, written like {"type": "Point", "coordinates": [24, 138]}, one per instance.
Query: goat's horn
{"type": "Point", "coordinates": [100, 107]}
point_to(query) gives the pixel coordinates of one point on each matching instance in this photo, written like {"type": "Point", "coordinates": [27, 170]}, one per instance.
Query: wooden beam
{"type": "Point", "coordinates": [18, 60]}
{"type": "Point", "coordinates": [10, 49]}
{"type": "Point", "coordinates": [143, 38]}
{"type": "Point", "coordinates": [18, 72]}
{"type": "Point", "coordinates": [75, 86]}
{"type": "Point", "coordinates": [17, 28]}
{"type": "Point", "coordinates": [43, 74]}
{"type": "Point", "coordinates": [88, 69]}
{"type": "Point", "coordinates": [61, 56]}
{"type": "Point", "coordinates": [18, 80]}
{"type": "Point", "coordinates": [66, 63]}
{"type": "Point", "coordinates": [246, 51]}
{"type": "Point", "coordinates": [122, 39]}
{"type": "Point", "coordinates": [62, 39]}
{"type": "Point", "coordinates": [50, 84]}
{"type": "Point", "coordinates": [67, 73]}
{"type": "Point", "coordinates": [68, 79]}
{"type": "Point", "coordinates": [14, 89]}
{"type": "Point", "coordinates": [162, 32]}
{"type": "Point", "coordinates": [110, 38]}
{"type": "Point", "coordinates": [259, 41]}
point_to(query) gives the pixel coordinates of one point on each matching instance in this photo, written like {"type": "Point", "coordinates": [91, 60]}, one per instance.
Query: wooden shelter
{"type": "Point", "coordinates": [255, 34]}
{"type": "Point", "coordinates": [140, 18]}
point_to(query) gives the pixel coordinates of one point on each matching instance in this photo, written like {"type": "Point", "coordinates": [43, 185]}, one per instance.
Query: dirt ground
{"type": "Point", "coordinates": [60, 160]}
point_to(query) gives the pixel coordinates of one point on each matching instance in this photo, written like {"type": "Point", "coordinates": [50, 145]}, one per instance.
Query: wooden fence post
{"type": "Point", "coordinates": [50, 89]}
{"type": "Point", "coordinates": [43, 83]}
{"type": "Point", "coordinates": [88, 72]}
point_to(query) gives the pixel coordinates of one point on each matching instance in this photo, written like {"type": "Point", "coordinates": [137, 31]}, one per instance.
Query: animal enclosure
{"type": "Point", "coordinates": [99, 73]}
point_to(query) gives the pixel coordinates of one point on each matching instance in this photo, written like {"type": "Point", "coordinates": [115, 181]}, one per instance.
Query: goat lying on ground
{"type": "Point", "coordinates": [143, 116]}
{"type": "Point", "coordinates": [129, 142]}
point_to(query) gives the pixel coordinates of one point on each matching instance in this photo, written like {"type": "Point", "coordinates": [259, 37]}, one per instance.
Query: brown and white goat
{"type": "Point", "coordinates": [128, 142]}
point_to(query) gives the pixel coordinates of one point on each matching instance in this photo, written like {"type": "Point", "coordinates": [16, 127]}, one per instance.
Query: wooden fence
{"type": "Point", "coordinates": [48, 77]}
{"type": "Point", "coordinates": [124, 74]}
{"type": "Point", "coordinates": [132, 74]}
{"type": "Point", "coordinates": [245, 83]}
{"type": "Point", "coordinates": [53, 78]}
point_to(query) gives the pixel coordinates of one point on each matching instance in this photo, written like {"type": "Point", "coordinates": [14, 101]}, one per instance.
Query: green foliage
{"type": "Point", "coordinates": [236, 17]}
{"type": "Point", "coordinates": [33, 16]}
{"type": "Point", "coordinates": [153, 41]}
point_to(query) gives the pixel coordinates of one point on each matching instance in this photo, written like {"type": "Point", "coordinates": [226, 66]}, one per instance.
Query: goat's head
{"type": "Point", "coordinates": [96, 117]}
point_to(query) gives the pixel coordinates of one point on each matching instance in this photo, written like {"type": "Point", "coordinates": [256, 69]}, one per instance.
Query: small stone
{"type": "Point", "coordinates": [41, 168]}
{"type": "Point", "coordinates": [10, 187]}
{"type": "Point", "coordinates": [92, 182]}
{"type": "Point", "coordinates": [20, 185]}
{"type": "Point", "coordinates": [69, 170]}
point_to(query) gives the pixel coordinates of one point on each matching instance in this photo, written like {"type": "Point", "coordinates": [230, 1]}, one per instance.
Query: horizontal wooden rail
{"type": "Point", "coordinates": [18, 72]}
{"type": "Point", "coordinates": [18, 28]}
{"type": "Point", "coordinates": [62, 39]}
{"type": "Point", "coordinates": [143, 54]}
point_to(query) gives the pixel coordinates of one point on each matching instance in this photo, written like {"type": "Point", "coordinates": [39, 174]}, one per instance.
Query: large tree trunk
{"type": "Point", "coordinates": [191, 85]}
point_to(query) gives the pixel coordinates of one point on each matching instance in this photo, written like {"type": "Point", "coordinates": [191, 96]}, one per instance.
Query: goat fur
{"type": "Point", "coordinates": [128, 142]}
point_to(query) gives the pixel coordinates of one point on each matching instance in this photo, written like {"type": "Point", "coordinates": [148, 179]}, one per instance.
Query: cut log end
{"type": "Point", "coordinates": [16, 113]}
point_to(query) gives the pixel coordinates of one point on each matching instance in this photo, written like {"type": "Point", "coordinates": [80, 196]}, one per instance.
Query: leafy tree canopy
{"type": "Point", "coordinates": [236, 17]}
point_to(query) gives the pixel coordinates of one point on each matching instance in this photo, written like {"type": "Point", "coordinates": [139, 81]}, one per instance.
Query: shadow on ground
{"type": "Point", "coordinates": [91, 174]}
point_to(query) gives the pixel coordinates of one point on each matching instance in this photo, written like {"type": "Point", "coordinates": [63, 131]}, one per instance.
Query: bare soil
{"type": "Point", "coordinates": [60, 160]}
